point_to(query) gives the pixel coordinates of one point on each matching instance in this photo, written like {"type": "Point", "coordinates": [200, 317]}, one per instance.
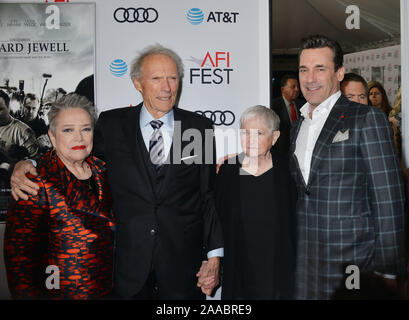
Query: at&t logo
{"type": "Point", "coordinates": [196, 16]}
{"type": "Point", "coordinates": [218, 74]}
{"type": "Point", "coordinates": [118, 67]}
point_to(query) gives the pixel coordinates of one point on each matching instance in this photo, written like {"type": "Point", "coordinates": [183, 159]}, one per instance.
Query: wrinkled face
{"type": "Point", "coordinates": [73, 135]}
{"type": "Point", "coordinates": [291, 90]}
{"type": "Point", "coordinates": [256, 138]}
{"type": "Point", "coordinates": [355, 91]}
{"type": "Point", "coordinates": [30, 109]}
{"type": "Point", "coordinates": [159, 84]}
{"type": "Point", "coordinates": [318, 77]}
{"type": "Point", "coordinates": [375, 96]}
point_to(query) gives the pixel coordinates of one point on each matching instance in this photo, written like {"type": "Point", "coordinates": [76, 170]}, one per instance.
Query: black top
{"type": "Point", "coordinates": [258, 217]}
{"type": "Point", "coordinates": [258, 220]}
{"type": "Point", "coordinates": [38, 125]}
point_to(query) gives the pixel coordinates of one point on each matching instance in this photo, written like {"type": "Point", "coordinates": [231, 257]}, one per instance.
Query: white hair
{"type": "Point", "coordinates": [269, 116]}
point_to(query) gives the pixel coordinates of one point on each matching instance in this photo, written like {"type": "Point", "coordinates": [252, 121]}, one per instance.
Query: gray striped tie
{"type": "Point", "coordinates": [156, 150]}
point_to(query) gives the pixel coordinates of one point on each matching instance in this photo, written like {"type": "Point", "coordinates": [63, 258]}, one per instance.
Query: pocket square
{"type": "Point", "coordinates": [341, 136]}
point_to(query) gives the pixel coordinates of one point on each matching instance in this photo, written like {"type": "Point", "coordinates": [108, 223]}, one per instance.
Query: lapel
{"type": "Point", "coordinates": [334, 123]}
{"type": "Point", "coordinates": [76, 196]}
{"type": "Point", "coordinates": [132, 131]}
{"type": "Point", "coordinates": [284, 113]}
{"type": "Point", "coordinates": [170, 168]}
{"type": "Point", "coordinates": [294, 134]}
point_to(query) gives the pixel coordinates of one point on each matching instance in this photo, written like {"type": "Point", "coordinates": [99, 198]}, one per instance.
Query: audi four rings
{"type": "Point", "coordinates": [219, 117]}
{"type": "Point", "coordinates": [148, 15]}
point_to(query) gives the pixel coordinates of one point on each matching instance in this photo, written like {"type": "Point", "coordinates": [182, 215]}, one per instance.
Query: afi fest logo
{"type": "Point", "coordinates": [196, 16]}
{"type": "Point", "coordinates": [219, 71]}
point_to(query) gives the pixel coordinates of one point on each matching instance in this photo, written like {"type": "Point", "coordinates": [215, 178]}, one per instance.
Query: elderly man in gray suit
{"type": "Point", "coordinates": [350, 191]}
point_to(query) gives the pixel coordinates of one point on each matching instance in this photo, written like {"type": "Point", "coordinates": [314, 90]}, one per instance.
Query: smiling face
{"type": "Point", "coordinates": [159, 84]}
{"type": "Point", "coordinates": [72, 139]}
{"type": "Point", "coordinates": [355, 91]}
{"type": "Point", "coordinates": [318, 78]}
{"type": "Point", "coordinates": [256, 138]}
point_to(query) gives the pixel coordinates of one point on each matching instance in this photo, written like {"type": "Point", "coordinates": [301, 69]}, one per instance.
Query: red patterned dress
{"type": "Point", "coordinates": [69, 225]}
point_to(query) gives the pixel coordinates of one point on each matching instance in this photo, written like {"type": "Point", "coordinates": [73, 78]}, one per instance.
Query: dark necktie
{"type": "Point", "coordinates": [156, 149]}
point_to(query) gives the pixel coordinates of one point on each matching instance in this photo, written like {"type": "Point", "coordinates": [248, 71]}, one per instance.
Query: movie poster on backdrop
{"type": "Point", "coordinates": [46, 50]}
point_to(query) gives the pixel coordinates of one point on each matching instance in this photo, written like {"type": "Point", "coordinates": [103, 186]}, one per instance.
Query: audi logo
{"type": "Point", "coordinates": [219, 117]}
{"type": "Point", "coordinates": [140, 15]}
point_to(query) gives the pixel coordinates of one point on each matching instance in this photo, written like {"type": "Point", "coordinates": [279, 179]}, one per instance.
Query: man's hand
{"type": "Point", "coordinates": [221, 160]}
{"type": "Point", "coordinates": [209, 275]}
{"type": "Point", "coordinates": [20, 183]}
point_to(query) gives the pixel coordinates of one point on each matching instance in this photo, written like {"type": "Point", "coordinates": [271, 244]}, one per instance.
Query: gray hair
{"type": "Point", "coordinates": [269, 116]}
{"type": "Point", "coordinates": [71, 100]}
{"type": "Point", "coordinates": [136, 67]}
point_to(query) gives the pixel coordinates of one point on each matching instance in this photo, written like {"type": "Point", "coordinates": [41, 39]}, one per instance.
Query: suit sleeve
{"type": "Point", "coordinates": [213, 237]}
{"type": "Point", "coordinates": [386, 191]}
{"type": "Point", "coordinates": [99, 148]}
{"type": "Point", "coordinates": [25, 243]}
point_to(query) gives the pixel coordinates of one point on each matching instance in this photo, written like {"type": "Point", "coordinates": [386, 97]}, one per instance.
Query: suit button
{"type": "Point", "coordinates": [307, 192]}
{"type": "Point", "coordinates": [153, 232]}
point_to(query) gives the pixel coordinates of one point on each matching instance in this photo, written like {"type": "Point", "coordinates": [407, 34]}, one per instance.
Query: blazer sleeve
{"type": "Point", "coordinates": [386, 191]}
{"type": "Point", "coordinates": [99, 146]}
{"type": "Point", "coordinates": [213, 237]}
{"type": "Point", "coordinates": [25, 243]}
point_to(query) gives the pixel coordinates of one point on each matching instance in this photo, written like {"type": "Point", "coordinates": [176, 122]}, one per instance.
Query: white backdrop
{"type": "Point", "coordinates": [382, 64]}
{"type": "Point", "coordinates": [238, 30]}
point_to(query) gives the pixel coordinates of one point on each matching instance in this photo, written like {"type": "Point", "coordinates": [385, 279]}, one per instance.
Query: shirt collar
{"type": "Point", "coordinates": [325, 105]}
{"type": "Point", "coordinates": [287, 103]}
{"type": "Point", "coordinates": [145, 118]}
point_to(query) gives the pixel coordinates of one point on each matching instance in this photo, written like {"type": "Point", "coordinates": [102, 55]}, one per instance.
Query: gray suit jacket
{"type": "Point", "coordinates": [351, 211]}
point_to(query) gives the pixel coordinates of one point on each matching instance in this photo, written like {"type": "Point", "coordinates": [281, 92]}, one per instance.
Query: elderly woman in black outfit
{"type": "Point", "coordinates": [255, 198]}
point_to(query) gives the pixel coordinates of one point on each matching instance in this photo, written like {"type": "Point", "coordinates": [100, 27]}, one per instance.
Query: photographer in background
{"type": "Point", "coordinates": [17, 140]}
{"type": "Point", "coordinates": [31, 106]}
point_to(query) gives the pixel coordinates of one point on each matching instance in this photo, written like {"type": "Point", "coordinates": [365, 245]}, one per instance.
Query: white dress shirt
{"type": "Point", "coordinates": [167, 128]}
{"type": "Point", "coordinates": [310, 130]}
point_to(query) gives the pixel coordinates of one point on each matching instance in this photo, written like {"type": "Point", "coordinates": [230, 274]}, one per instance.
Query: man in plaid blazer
{"type": "Point", "coordinates": [350, 191]}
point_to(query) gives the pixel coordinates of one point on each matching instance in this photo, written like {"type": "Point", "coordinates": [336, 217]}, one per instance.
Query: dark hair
{"type": "Point", "coordinates": [385, 105]}
{"type": "Point", "coordinates": [17, 96]}
{"type": "Point", "coordinates": [355, 77]}
{"type": "Point", "coordinates": [286, 77]}
{"type": "Point", "coordinates": [5, 97]}
{"type": "Point", "coordinates": [30, 96]}
{"type": "Point", "coordinates": [321, 41]}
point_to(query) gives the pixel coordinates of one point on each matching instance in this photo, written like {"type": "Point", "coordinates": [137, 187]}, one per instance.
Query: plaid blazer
{"type": "Point", "coordinates": [351, 211]}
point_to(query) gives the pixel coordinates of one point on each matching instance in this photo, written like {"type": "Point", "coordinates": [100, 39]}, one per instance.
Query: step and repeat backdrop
{"type": "Point", "coordinates": [48, 48]}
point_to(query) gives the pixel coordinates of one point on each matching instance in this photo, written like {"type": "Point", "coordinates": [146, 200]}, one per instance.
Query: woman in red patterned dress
{"type": "Point", "coordinates": [69, 224]}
